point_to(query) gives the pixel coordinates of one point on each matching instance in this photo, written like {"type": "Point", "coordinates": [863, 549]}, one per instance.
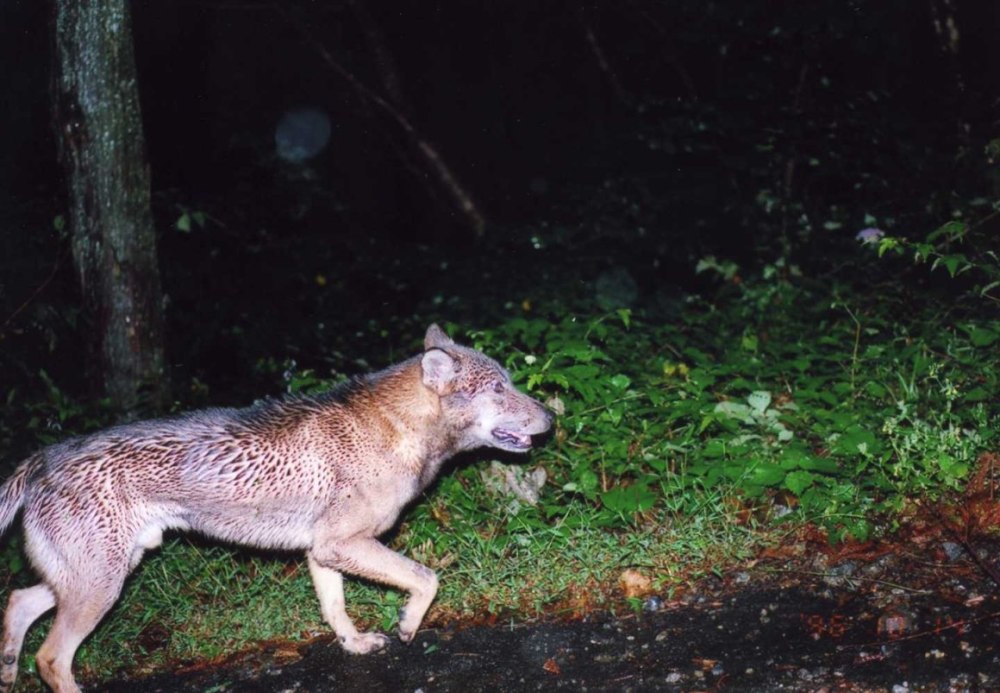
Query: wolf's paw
{"type": "Point", "coordinates": [408, 624]}
{"type": "Point", "coordinates": [8, 673]}
{"type": "Point", "coordinates": [364, 643]}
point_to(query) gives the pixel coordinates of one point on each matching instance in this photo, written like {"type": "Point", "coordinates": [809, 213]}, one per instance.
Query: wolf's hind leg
{"type": "Point", "coordinates": [23, 608]}
{"type": "Point", "coordinates": [370, 559]}
{"type": "Point", "coordinates": [330, 588]}
{"type": "Point", "coordinates": [77, 615]}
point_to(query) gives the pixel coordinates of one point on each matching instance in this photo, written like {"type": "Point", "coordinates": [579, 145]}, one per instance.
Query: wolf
{"type": "Point", "coordinates": [325, 475]}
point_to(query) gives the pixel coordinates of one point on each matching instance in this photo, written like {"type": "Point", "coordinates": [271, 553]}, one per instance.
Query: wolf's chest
{"type": "Point", "coordinates": [372, 505]}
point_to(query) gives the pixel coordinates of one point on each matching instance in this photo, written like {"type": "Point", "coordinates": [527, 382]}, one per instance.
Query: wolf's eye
{"type": "Point", "coordinates": [498, 387]}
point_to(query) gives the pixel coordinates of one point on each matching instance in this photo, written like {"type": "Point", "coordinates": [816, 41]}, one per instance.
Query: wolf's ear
{"type": "Point", "coordinates": [436, 338]}
{"type": "Point", "coordinates": [439, 369]}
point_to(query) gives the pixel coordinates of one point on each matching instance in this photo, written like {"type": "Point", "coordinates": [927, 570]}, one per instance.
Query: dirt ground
{"type": "Point", "coordinates": [869, 618]}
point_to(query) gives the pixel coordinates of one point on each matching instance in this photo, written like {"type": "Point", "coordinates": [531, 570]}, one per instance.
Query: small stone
{"type": "Point", "coordinates": [840, 574]}
{"type": "Point", "coordinates": [877, 567]}
{"type": "Point", "coordinates": [634, 583]}
{"type": "Point", "coordinates": [952, 550]}
{"type": "Point", "coordinates": [894, 623]}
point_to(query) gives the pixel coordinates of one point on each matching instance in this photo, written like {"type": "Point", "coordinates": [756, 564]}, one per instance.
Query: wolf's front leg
{"type": "Point", "coordinates": [369, 559]}
{"type": "Point", "coordinates": [330, 589]}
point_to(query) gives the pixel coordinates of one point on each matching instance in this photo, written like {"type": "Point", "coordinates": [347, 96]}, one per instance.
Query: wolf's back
{"type": "Point", "coordinates": [12, 491]}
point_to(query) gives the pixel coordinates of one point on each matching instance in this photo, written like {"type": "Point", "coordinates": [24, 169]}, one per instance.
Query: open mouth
{"type": "Point", "coordinates": [512, 439]}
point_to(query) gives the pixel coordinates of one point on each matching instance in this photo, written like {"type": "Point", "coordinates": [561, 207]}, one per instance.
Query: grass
{"type": "Point", "coordinates": [190, 601]}
{"type": "Point", "coordinates": [683, 446]}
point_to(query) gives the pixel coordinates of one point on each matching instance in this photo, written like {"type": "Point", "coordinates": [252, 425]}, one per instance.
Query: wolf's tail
{"type": "Point", "coordinates": [12, 491]}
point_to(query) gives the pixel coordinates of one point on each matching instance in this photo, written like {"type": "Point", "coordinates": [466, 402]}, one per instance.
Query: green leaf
{"type": "Point", "coordinates": [886, 244]}
{"type": "Point", "coordinates": [586, 483]}
{"type": "Point", "coordinates": [799, 481]}
{"type": "Point", "coordinates": [801, 363]}
{"type": "Point", "coordinates": [759, 401]}
{"type": "Point", "coordinates": [583, 353]}
{"type": "Point", "coordinates": [621, 381]}
{"type": "Point", "coordinates": [701, 378]}
{"type": "Point", "coordinates": [981, 337]}
{"type": "Point", "coordinates": [953, 468]}
{"type": "Point", "coordinates": [615, 415]}
{"type": "Point", "coordinates": [860, 530]}
{"type": "Point", "coordinates": [820, 464]}
{"type": "Point", "coordinates": [952, 231]}
{"type": "Point", "coordinates": [922, 251]}
{"type": "Point", "coordinates": [977, 394]}
{"type": "Point", "coordinates": [875, 389]}
{"type": "Point", "coordinates": [714, 448]}
{"type": "Point", "coordinates": [955, 264]}
{"type": "Point", "coordinates": [629, 499]}
{"type": "Point", "coordinates": [735, 410]}
{"type": "Point", "coordinates": [766, 474]}
{"type": "Point", "coordinates": [183, 223]}
{"type": "Point", "coordinates": [856, 440]}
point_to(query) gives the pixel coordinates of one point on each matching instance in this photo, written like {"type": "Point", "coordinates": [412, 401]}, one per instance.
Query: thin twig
{"type": "Point", "coordinates": [447, 178]}
{"type": "Point", "coordinates": [965, 622]}
{"type": "Point", "coordinates": [845, 578]}
{"type": "Point", "coordinates": [985, 566]}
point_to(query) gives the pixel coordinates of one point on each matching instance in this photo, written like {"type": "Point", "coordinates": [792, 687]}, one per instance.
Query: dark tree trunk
{"type": "Point", "coordinates": [101, 147]}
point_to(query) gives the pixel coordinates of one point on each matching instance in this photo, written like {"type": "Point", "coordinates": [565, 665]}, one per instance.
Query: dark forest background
{"type": "Point", "coordinates": [624, 140]}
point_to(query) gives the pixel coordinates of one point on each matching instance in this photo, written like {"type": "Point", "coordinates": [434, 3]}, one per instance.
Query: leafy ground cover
{"type": "Point", "coordinates": [689, 439]}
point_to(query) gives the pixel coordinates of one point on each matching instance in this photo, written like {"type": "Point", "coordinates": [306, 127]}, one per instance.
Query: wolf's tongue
{"type": "Point", "coordinates": [511, 438]}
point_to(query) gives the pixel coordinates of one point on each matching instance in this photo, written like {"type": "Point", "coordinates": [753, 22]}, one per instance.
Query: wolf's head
{"type": "Point", "coordinates": [480, 405]}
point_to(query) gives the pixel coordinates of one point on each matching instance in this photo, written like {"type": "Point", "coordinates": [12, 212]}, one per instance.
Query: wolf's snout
{"type": "Point", "coordinates": [540, 421]}
{"type": "Point", "coordinates": [549, 418]}
{"type": "Point", "coordinates": [518, 436]}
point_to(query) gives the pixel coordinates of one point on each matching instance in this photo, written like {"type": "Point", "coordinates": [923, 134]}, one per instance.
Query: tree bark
{"type": "Point", "coordinates": [102, 151]}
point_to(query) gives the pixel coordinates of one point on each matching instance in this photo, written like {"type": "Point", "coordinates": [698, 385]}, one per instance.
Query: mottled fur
{"type": "Point", "coordinates": [324, 475]}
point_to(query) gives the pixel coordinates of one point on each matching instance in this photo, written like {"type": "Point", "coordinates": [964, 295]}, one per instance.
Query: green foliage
{"type": "Point", "coordinates": [189, 219]}
{"type": "Point", "coordinates": [54, 414]}
{"type": "Point", "coordinates": [836, 414]}
{"type": "Point", "coordinates": [679, 443]}
{"type": "Point", "coordinates": [958, 248]}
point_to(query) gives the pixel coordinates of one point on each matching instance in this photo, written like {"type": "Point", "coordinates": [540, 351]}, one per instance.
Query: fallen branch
{"type": "Point", "coordinates": [460, 196]}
